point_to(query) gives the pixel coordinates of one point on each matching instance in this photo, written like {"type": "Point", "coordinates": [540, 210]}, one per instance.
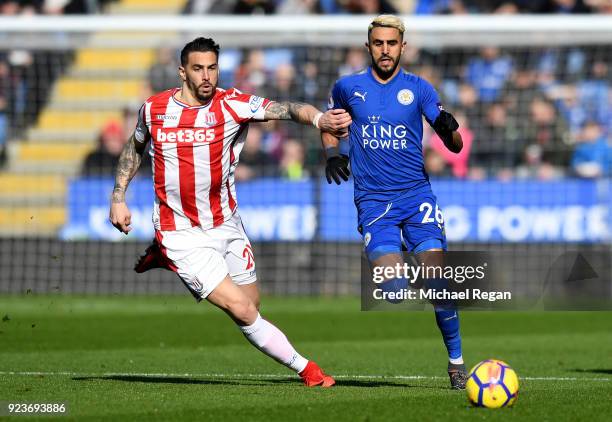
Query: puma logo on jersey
{"type": "Point", "coordinates": [360, 95]}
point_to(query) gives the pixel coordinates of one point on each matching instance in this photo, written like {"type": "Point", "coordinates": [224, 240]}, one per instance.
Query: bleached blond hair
{"type": "Point", "coordinates": [387, 21]}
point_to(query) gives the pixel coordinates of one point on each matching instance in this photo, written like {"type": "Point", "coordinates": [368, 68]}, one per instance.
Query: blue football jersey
{"type": "Point", "coordinates": [385, 138]}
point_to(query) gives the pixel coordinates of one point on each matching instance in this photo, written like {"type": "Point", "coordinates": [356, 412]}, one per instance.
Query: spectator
{"type": "Point", "coordinates": [299, 7]}
{"type": "Point", "coordinates": [495, 146]}
{"type": "Point", "coordinates": [163, 74]}
{"type": "Point", "coordinates": [311, 89]}
{"type": "Point", "coordinates": [569, 107]}
{"type": "Point", "coordinates": [520, 91]}
{"type": "Point", "coordinates": [489, 73]}
{"type": "Point", "coordinates": [254, 7]}
{"type": "Point", "coordinates": [594, 91]}
{"type": "Point", "coordinates": [564, 6]}
{"type": "Point", "coordinates": [592, 157]}
{"type": "Point", "coordinates": [354, 61]}
{"type": "Point", "coordinates": [431, 7]}
{"type": "Point", "coordinates": [205, 7]}
{"type": "Point", "coordinates": [283, 85]}
{"type": "Point", "coordinates": [467, 99]}
{"type": "Point", "coordinates": [404, 7]}
{"type": "Point", "coordinates": [457, 162]}
{"type": "Point", "coordinates": [103, 160]}
{"type": "Point", "coordinates": [292, 160]}
{"type": "Point", "coordinates": [254, 162]}
{"type": "Point", "coordinates": [9, 8]}
{"type": "Point", "coordinates": [547, 129]}
{"type": "Point", "coordinates": [600, 6]}
{"type": "Point", "coordinates": [435, 164]}
{"type": "Point", "coordinates": [534, 167]}
{"type": "Point", "coordinates": [250, 75]}
{"type": "Point", "coordinates": [368, 7]}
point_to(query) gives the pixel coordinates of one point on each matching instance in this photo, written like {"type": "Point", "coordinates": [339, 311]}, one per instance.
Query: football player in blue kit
{"type": "Point", "coordinates": [394, 199]}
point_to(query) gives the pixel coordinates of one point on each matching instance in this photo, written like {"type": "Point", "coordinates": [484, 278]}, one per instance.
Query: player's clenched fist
{"type": "Point", "coordinates": [120, 217]}
{"type": "Point", "coordinates": [335, 121]}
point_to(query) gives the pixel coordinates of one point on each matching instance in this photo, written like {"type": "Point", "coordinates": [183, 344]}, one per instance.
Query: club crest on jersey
{"type": "Point", "coordinates": [366, 239]}
{"type": "Point", "coordinates": [405, 97]}
{"type": "Point", "coordinates": [255, 103]}
{"type": "Point", "coordinates": [210, 119]}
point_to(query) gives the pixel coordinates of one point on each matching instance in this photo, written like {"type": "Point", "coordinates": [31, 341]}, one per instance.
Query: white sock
{"type": "Point", "coordinates": [270, 340]}
{"type": "Point", "coordinates": [456, 361]}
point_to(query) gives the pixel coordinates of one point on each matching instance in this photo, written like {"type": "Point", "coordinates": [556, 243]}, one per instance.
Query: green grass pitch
{"type": "Point", "coordinates": [168, 358]}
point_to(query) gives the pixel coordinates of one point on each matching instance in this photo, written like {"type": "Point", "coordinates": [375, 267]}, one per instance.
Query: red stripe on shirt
{"type": "Point", "coordinates": [216, 166]}
{"type": "Point", "coordinates": [186, 168]}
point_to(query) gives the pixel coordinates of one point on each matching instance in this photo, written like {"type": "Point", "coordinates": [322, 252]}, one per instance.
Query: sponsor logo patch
{"type": "Point", "coordinates": [255, 103]}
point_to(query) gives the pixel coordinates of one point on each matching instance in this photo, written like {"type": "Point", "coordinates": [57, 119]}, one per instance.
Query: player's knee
{"type": "Point", "coordinates": [242, 310]}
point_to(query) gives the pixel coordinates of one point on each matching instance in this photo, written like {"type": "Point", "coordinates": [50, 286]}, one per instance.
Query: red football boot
{"type": "Point", "coordinates": [313, 376]}
{"type": "Point", "coordinates": [152, 258]}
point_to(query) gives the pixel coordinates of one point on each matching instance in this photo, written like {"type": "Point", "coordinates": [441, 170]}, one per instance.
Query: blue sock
{"type": "Point", "coordinates": [394, 285]}
{"type": "Point", "coordinates": [448, 323]}
{"type": "Point", "coordinates": [447, 319]}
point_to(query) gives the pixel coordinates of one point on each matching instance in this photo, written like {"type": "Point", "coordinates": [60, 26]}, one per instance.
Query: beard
{"type": "Point", "coordinates": [385, 74]}
{"type": "Point", "coordinates": [198, 93]}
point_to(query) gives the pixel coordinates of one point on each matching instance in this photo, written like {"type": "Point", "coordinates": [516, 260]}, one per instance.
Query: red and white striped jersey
{"type": "Point", "coordinates": [194, 151]}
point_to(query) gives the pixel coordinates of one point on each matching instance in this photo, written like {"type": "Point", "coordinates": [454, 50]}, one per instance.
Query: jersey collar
{"type": "Point", "coordinates": [185, 105]}
{"type": "Point", "coordinates": [390, 82]}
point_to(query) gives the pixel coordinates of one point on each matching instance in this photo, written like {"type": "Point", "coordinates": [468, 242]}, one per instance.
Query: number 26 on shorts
{"type": "Point", "coordinates": [428, 209]}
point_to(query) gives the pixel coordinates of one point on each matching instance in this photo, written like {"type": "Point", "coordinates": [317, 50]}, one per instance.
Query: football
{"type": "Point", "coordinates": [492, 383]}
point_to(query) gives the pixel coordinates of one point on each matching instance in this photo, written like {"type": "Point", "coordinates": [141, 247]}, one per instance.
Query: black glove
{"type": "Point", "coordinates": [337, 166]}
{"type": "Point", "coordinates": [445, 124]}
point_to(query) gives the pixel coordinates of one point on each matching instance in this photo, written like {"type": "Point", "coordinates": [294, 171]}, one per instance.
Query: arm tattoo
{"type": "Point", "coordinates": [129, 161]}
{"type": "Point", "coordinates": [287, 110]}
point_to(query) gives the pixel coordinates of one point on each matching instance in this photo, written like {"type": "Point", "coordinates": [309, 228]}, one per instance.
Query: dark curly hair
{"type": "Point", "coordinates": [199, 44]}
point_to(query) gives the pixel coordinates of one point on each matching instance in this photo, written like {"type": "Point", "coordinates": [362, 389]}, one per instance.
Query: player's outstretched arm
{"type": "Point", "coordinates": [334, 121]}
{"type": "Point", "coordinates": [446, 127]}
{"type": "Point", "coordinates": [129, 161]}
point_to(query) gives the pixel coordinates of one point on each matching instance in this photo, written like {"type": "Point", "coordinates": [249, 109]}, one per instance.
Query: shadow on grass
{"type": "Point", "coordinates": [593, 371]}
{"type": "Point", "coordinates": [163, 380]}
{"type": "Point", "coordinates": [253, 382]}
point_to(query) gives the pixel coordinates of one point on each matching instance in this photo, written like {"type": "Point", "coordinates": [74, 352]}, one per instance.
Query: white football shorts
{"type": "Point", "coordinates": [202, 258]}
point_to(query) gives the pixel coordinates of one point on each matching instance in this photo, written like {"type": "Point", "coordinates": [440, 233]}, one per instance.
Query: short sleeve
{"type": "Point", "coordinates": [245, 107]}
{"type": "Point", "coordinates": [141, 132]}
{"type": "Point", "coordinates": [336, 98]}
{"type": "Point", "coordinates": [430, 102]}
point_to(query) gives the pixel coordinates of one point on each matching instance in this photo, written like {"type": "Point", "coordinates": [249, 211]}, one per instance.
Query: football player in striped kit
{"type": "Point", "coordinates": [197, 132]}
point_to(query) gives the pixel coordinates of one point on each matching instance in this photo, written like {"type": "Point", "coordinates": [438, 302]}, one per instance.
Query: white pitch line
{"type": "Point", "coordinates": [263, 376]}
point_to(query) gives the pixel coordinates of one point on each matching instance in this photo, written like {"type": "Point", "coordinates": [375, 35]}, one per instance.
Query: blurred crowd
{"type": "Point", "coordinates": [527, 113]}
{"type": "Point", "coordinates": [539, 113]}
{"type": "Point", "coordinates": [420, 7]}
{"type": "Point", "coordinates": [26, 75]}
